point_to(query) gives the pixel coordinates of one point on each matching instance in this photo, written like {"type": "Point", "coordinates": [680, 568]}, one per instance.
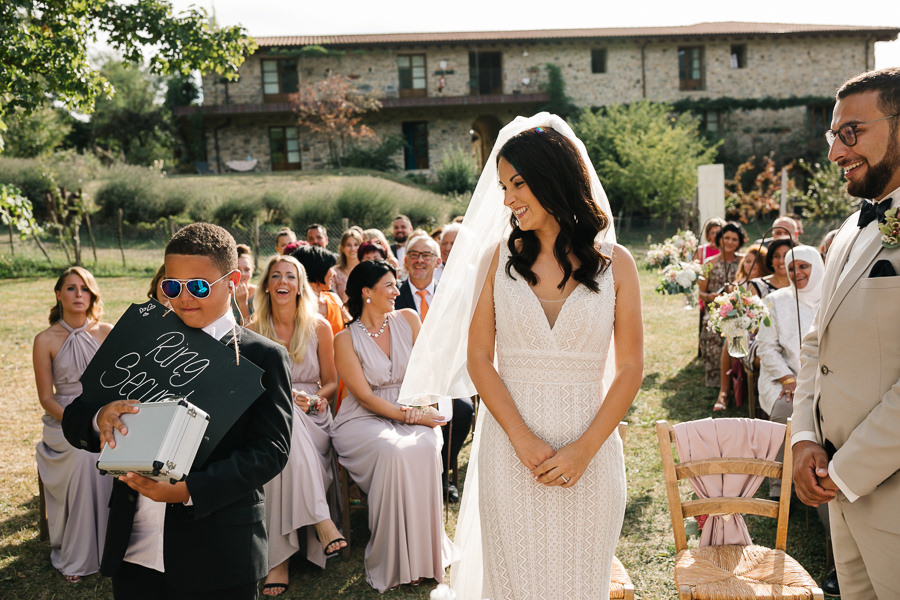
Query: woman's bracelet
{"type": "Point", "coordinates": [789, 380]}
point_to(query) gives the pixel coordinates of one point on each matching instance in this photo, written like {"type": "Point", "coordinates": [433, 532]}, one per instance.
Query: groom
{"type": "Point", "coordinates": [847, 406]}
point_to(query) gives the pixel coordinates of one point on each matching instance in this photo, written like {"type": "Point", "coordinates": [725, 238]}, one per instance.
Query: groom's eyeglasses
{"type": "Point", "coordinates": [198, 288]}
{"type": "Point", "coordinates": [847, 133]}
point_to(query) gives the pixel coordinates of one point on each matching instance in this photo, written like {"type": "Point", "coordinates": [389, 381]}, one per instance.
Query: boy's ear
{"type": "Point", "coordinates": [233, 279]}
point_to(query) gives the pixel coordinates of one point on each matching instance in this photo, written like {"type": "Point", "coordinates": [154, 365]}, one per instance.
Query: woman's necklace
{"type": "Point", "coordinates": [376, 334]}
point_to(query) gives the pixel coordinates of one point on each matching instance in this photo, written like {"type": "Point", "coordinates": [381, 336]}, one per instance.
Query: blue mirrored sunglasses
{"type": "Point", "coordinates": [198, 288]}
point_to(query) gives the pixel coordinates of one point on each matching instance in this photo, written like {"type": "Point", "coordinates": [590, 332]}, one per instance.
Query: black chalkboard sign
{"type": "Point", "coordinates": [151, 355]}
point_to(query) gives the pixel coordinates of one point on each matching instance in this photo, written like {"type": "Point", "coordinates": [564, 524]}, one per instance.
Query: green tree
{"type": "Point", "coordinates": [559, 103]}
{"type": "Point", "coordinates": [133, 125]}
{"type": "Point", "coordinates": [45, 45]}
{"type": "Point", "coordinates": [35, 134]}
{"type": "Point", "coordinates": [826, 195]}
{"type": "Point", "coordinates": [646, 157]}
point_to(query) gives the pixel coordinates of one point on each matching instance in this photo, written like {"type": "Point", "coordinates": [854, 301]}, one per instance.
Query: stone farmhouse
{"type": "Point", "coordinates": [758, 86]}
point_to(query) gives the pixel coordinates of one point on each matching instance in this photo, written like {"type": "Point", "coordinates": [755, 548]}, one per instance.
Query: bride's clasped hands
{"type": "Point", "coordinates": [565, 467]}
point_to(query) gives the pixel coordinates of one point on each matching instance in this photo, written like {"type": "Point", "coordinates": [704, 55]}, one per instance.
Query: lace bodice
{"type": "Point", "coordinates": [572, 352]}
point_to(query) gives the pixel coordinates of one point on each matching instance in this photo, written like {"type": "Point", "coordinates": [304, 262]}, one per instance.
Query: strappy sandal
{"type": "Point", "coordinates": [337, 540]}
{"type": "Point", "coordinates": [281, 587]}
{"type": "Point", "coordinates": [721, 403]}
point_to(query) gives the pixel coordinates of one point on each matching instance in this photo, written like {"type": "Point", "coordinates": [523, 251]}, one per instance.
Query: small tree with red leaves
{"type": "Point", "coordinates": [332, 109]}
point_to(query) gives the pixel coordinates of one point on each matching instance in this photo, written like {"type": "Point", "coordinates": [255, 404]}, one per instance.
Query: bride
{"type": "Point", "coordinates": [557, 298]}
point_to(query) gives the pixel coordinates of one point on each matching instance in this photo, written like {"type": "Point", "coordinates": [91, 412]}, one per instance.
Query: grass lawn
{"type": "Point", "coordinates": [672, 390]}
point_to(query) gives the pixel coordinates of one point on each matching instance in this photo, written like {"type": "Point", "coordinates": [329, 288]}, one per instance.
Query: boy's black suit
{"type": "Point", "coordinates": [219, 541]}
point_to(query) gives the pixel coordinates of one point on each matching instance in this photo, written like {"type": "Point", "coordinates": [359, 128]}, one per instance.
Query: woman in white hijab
{"type": "Point", "coordinates": [792, 310]}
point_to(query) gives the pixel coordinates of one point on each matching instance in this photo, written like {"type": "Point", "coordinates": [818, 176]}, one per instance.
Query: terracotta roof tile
{"type": "Point", "coordinates": [728, 28]}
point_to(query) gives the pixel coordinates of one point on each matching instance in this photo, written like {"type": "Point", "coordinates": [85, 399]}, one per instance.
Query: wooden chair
{"type": "Point", "coordinates": [347, 506]}
{"type": "Point", "coordinates": [723, 572]}
{"type": "Point", "coordinates": [620, 585]}
{"type": "Point", "coordinates": [43, 526]}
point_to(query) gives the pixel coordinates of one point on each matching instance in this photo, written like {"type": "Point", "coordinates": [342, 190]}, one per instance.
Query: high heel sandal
{"type": "Point", "coordinates": [721, 402]}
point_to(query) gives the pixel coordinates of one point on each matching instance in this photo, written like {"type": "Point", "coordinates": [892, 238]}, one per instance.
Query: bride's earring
{"type": "Point", "coordinates": [368, 301]}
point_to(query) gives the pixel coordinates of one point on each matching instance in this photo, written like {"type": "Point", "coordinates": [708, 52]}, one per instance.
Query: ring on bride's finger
{"type": "Point", "coordinates": [565, 479]}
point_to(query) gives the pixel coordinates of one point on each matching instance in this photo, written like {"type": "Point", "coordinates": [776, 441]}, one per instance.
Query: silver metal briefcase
{"type": "Point", "coordinates": [162, 441]}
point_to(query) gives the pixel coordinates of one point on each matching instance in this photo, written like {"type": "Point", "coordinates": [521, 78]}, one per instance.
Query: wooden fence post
{"type": "Point", "coordinates": [254, 242]}
{"type": "Point", "coordinates": [87, 220]}
{"type": "Point", "coordinates": [121, 241]}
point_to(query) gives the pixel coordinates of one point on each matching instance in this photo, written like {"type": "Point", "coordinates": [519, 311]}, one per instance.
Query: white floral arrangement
{"type": "Point", "coordinates": [737, 313]}
{"type": "Point", "coordinates": [680, 278]}
{"type": "Point", "coordinates": [678, 248]}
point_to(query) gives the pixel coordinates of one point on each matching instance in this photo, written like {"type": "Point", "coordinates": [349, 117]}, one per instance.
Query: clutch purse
{"type": "Point", "coordinates": [162, 441]}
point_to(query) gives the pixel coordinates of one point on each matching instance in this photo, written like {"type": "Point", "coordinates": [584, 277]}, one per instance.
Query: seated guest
{"type": "Point", "coordinates": [246, 289]}
{"type": "Point", "coordinates": [708, 233]}
{"type": "Point", "coordinates": [825, 244]}
{"type": "Point", "coordinates": [777, 278]}
{"type": "Point", "coordinates": [155, 293]}
{"type": "Point", "coordinates": [402, 230]}
{"type": "Point", "coordinates": [393, 454]}
{"type": "Point", "coordinates": [752, 266]}
{"type": "Point", "coordinates": [371, 251]}
{"type": "Point", "coordinates": [305, 495]}
{"type": "Point", "coordinates": [317, 235]}
{"type": "Point", "coordinates": [319, 265]}
{"type": "Point", "coordinates": [717, 277]}
{"type": "Point", "coordinates": [77, 495]}
{"type": "Point", "coordinates": [447, 239]}
{"type": "Point", "coordinates": [204, 537]}
{"type": "Point", "coordinates": [284, 237]}
{"type": "Point", "coordinates": [417, 293]}
{"type": "Point", "coordinates": [348, 258]}
{"type": "Point", "coordinates": [376, 235]}
{"type": "Point", "coordinates": [779, 344]}
{"type": "Point", "coordinates": [783, 227]}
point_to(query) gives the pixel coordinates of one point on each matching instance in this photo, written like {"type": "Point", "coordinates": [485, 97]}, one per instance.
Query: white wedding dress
{"type": "Point", "coordinates": [538, 541]}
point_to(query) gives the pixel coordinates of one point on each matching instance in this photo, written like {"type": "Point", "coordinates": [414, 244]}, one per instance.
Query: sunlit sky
{"type": "Point", "coordinates": [283, 17]}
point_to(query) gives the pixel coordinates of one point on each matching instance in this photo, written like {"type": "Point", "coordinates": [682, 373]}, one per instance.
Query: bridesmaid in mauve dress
{"type": "Point", "coordinates": [77, 495]}
{"type": "Point", "coordinates": [304, 496]}
{"type": "Point", "coordinates": [393, 454]}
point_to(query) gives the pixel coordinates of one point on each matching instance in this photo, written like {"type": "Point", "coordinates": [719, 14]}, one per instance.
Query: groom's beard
{"type": "Point", "coordinates": [879, 176]}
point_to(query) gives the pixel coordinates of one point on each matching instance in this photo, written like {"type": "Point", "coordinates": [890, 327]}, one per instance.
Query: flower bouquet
{"type": "Point", "coordinates": [734, 315]}
{"type": "Point", "coordinates": [680, 278]}
{"type": "Point", "coordinates": [678, 248]}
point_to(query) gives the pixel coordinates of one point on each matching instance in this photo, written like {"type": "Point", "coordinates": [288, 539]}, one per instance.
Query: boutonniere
{"type": "Point", "coordinates": [890, 229]}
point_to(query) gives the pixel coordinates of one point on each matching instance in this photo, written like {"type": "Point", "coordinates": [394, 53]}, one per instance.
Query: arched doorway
{"type": "Point", "coordinates": [484, 133]}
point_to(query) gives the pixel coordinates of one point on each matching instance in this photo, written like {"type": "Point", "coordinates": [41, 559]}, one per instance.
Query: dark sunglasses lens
{"type": "Point", "coordinates": [171, 288]}
{"type": "Point", "coordinates": [199, 288]}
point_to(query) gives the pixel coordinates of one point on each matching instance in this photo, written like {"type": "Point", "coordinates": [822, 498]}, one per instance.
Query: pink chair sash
{"type": "Point", "coordinates": [727, 438]}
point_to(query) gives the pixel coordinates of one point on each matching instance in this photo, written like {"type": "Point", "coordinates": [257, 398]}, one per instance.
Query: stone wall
{"type": "Point", "coordinates": [776, 67]}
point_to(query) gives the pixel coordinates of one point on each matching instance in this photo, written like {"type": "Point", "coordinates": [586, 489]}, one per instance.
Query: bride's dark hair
{"type": "Point", "coordinates": [552, 168]}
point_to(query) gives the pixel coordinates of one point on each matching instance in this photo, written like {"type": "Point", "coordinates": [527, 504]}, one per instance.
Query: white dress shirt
{"type": "Point", "coordinates": [145, 547]}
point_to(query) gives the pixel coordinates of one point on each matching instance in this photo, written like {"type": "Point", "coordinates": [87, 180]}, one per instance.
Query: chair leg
{"type": "Point", "coordinates": [43, 526]}
{"type": "Point", "coordinates": [629, 592]}
{"type": "Point", "coordinates": [684, 593]}
{"type": "Point", "coordinates": [345, 509]}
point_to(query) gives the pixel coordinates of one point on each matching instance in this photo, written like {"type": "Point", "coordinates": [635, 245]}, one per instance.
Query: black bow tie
{"type": "Point", "coordinates": [868, 212]}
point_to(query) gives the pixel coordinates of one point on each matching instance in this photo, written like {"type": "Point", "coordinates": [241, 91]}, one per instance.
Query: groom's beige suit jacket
{"type": "Point", "coordinates": [848, 390]}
